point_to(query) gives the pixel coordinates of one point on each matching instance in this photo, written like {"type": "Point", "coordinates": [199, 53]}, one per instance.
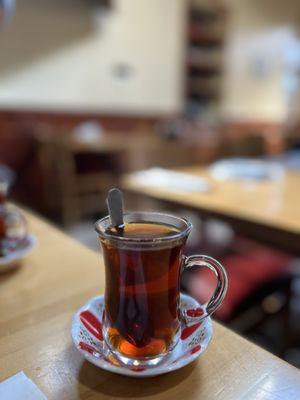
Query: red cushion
{"type": "Point", "coordinates": [245, 274]}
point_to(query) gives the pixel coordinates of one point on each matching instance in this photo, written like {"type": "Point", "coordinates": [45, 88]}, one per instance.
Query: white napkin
{"type": "Point", "coordinates": [172, 180]}
{"type": "Point", "coordinates": [246, 169]}
{"type": "Point", "coordinates": [20, 387]}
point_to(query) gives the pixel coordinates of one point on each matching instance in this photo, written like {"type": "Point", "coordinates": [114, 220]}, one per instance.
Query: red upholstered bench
{"type": "Point", "coordinates": [249, 268]}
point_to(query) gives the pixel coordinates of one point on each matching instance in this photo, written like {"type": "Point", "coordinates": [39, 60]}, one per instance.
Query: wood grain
{"type": "Point", "coordinates": [38, 300]}
{"type": "Point", "coordinates": [274, 204]}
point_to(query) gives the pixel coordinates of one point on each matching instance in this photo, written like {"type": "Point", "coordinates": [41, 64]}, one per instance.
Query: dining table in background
{"type": "Point", "coordinates": [267, 210]}
{"type": "Point", "coordinates": [38, 301]}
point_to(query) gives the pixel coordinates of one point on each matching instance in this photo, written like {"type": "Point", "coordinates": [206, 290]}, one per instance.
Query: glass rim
{"type": "Point", "coordinates": [176, 236]}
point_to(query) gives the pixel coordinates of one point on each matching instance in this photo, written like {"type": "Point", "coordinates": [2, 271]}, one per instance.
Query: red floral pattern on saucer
{"type": "Point", "coordinates": [88, 338]}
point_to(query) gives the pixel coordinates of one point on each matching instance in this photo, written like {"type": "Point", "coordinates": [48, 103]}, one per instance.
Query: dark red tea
{"type": "Point", "coordinates": [2, 235]}
{"type": "Point", "coordinates": [142, 292]}
{"type": "Point", "coordinates": [2, 224]}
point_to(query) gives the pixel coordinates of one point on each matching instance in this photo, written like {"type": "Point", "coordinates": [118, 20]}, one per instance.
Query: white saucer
{"type": "Point", "coordinates": [87, 337]}
{"type": "Point", "coordinates": [12, 259]}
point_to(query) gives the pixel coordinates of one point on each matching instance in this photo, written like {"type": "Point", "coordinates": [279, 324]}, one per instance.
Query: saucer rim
{"type": "Point", "coordinates": [148, 372]}
{"type": "Point", "coordinates": [11, 258]}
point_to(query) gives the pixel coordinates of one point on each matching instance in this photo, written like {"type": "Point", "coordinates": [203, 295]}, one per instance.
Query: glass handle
{"type": "Point", "coordinates": [193, 316]}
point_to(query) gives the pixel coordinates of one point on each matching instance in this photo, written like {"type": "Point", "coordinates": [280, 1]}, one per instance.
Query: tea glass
{"type": "Point", "coordinates": [142, 317]}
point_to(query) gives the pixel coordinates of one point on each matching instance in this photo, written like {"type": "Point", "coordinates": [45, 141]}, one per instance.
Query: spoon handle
{"type": "Point", "coordinates": [114, 203]}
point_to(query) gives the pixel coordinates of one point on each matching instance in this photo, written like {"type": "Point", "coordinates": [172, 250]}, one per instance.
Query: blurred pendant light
{"type": "Point", "coordinates": [6, 10]}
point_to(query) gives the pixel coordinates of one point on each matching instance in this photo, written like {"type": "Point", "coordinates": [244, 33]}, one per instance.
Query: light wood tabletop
{"type": "Point", "coordinates": [266, 203]}
{"type": "Point", "coordinates": [38, 300]}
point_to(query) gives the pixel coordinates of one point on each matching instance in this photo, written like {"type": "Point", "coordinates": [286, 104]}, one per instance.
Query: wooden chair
{"type": "Point", "coordinates": [246, 146]}
{"type": "Point", "coordinates": [292, 142]}
{"type": "Point", "coordinates": [74, 193]}
{"type": "Point", "coordinates": [154, 151]}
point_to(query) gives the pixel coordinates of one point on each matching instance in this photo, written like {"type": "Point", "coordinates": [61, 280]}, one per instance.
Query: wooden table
{"type": "Point", "coordinates": [269, 210]}
{"type": "Point", "coordinates": [38, 300]}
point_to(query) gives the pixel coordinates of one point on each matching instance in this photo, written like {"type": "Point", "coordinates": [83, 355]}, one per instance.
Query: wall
{"type": "Point", "coordinates": [256, 74]}
{"type": "Point", "coordinates": [58, 54]}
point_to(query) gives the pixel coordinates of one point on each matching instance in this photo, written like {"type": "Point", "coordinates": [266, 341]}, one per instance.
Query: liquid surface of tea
{"type": "Point", "coordinates": [143, 230]}
{"type": "Point", "coordinates": [142, 292]}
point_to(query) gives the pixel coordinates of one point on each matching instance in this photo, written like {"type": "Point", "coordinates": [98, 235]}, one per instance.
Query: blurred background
{"type": "Point", "coordinates": [94, 91]}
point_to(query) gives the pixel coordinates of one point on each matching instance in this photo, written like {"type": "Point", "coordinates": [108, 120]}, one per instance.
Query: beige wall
{"type": "Point", "coordinates": [57, 53]}
{"type": "Point", "coordinates": [251, 39]}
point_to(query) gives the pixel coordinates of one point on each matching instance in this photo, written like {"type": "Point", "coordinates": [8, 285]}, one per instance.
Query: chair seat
{"type": "Point", "coordinates": [246, 273]}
